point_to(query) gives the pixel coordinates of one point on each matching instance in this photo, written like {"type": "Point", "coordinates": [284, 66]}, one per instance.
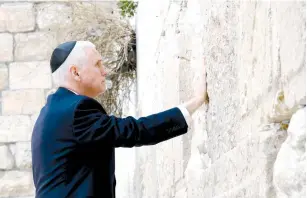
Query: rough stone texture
{"type": "Point", "coordinates": [23, 197]}
{"type": "Point", "coordinates": [7, 159]}
{"type": "Point", "coordinates": [28, 34]}
{"type": "Point", "coordinates": [15, 128]}
{"type": "Point", "coordinates": [125, 157]}
{"type": "Point", "coordinates": [6, 41]}
{"type": "Point", "coordinates": [254, 87]}
{"type": "Point", "coordinates": [23, 155]}
{"type": "Point", "coordinates": [22, 101]}
{"type": "Point", "coordinates": [3, 77]}
{"type": "Point", "coordinates": [2, 20]}
{"type": "Point", "coordinates": [30, 75]}
{"type": "Point", "coordinates": [50, 15]}
{"type": "Point", "coordinates": [251, 55]}
{"type": "Point", "coordinates": [34, 46]}
{"type": "Point", "coordinates": [16, 183]}
{"type": "Point", "coordinates": [18, 17]}
{"type": "Point", "coordinates": [290, 164]}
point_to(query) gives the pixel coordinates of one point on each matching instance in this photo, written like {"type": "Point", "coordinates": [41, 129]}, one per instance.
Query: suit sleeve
{"type": "Point", "coordinates": [92, 125]}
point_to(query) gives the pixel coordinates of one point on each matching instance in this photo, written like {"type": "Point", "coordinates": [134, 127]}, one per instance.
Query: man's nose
{"type": "Point", "coordinates": [104, 73]}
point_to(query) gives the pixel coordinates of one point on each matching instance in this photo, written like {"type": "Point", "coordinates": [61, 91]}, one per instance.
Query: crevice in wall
{"type": "Point", "coordinates": [271, 148]}
{"type": "Point", "coordinates": [35, 7]}
{"type": "Point", "coordinates": [254, 25]}
{"type": "Point", "coordinates": [280, 112]}
{"type": "Point", "coordinates": [183, 5]}
{"type": "Point", "coordinates": [279, 66]}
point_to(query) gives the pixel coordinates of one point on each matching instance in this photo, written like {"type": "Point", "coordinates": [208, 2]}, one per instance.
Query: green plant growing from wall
{"type": "Point", "coordinates": [127, 7]}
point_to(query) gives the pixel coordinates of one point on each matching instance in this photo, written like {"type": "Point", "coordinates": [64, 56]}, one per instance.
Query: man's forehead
{"type": "Point", "coordinates": [94, 53]}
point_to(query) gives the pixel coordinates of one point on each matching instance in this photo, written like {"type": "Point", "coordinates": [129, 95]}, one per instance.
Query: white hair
{"type": "Point", "coordinates": [76, 57]}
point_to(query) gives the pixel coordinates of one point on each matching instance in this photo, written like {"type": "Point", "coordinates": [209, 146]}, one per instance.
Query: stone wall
{"type": "Point", "coordinates": [28, 34]}
{"type": "Point", "coordinates": [252, 57]}
{"type": "Point", "coordinates": [26, 46]}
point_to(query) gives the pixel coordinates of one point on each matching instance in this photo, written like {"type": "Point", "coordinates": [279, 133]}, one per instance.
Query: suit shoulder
{"type": "Point", "coordinates": [86, 103]}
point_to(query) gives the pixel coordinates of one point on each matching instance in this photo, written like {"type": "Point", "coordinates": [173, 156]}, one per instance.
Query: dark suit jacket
{"type": "Point", "coordinates": [73, 144]}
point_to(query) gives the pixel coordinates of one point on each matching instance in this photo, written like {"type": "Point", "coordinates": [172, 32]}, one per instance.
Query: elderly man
{"type": "Point", "coordinates": [73, 138]}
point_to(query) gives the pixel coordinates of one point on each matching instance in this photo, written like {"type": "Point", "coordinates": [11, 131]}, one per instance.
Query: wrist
{"type": "Point", "coordinates": [200, 99]}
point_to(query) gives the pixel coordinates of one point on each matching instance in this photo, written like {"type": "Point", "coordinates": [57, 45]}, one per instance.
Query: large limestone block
{"type": "Point", "coordinates": [16, 183]}
{"type": "Point", "coordinates": [256, 74]}
{"type": "Point", "coordinates": [51, 15]}
{"type": "Point", "coordinates": [22, 101]}
{"type": "Point", "coordinates": [15, 128]}
{"type": "Point", "coordinates": [252, 159]}
{"type": "Point", "coordinates": [19, 17]}
{"type": "Point", "coordinates": [6, 52]}
{"type": "Point", "coordinates": [34, 46]}
{"type": "Point", "coordinates": [23, 155]}
{"type": "Point", "coordinates": [3, 76]}
{"type": "Point", "coordinates": [252, 188]}
{"type": "Point", "coordinates": [199, 160]}
{"type": "Point", "coordinates": [290, 24]}
{"type": "Point", "coordinates": [295, 90]}
{"type": "Point", "coordinates": [2, 20]}
{"type": "Point", "coordinates": [24, 197]}
{"type": "Point", "coordinates": [30, 75]}
{"type": "Point", "coordinates": [290, 165]}
{"type": "Point", "coordinates": [221, 54]}
{"type": "Point", "coordinates": [290, 28]}
{"type": "Point", "coordinates": [7, 160]}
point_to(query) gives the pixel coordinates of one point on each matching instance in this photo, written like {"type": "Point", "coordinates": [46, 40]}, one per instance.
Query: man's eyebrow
{"type": "Point", "coordinates": [99, 61]}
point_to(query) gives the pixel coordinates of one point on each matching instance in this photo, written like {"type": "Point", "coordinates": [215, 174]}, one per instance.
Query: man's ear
{"type": "Point", "coordinates": [74, 71]}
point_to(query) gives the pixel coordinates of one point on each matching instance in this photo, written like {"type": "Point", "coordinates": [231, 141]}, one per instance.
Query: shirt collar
{"type": "Point", "coordinates": [73, 91]}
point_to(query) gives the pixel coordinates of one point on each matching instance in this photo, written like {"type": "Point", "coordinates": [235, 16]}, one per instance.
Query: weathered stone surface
{"type": "Point", "coordinates": [254, 65]}
{"type": "Point", "coordinates": [24, 197]}
{"type": "Point", "coordinates": [22, 101]}
{"type": "Point", "coordinates": [3, 76]}
{"type": "Point", "coordinates": [13, 148]}
{"type": "Point", "coordinates": [291, 50]}
{"type": "Point", "coordinates": [15, 128]}
{"type": "Point", "coordinates": [19, 17]}
{"type": "Point", "coordinates": [290, 165]}
{"type": "Point", "coordinates": [6, 52]}
{"type": "Point", "coordinates": [34, 46]}
{"type": "Point", "coordinates": [224, 154]}
{"type": "Point", "coordinates": [50, 15]}
{"type": "Point", "coordinates": [30, 75]}
{"type": "Point", "coordinates": [23, 155]}
{"type": "Point", "coordinates": [2, 20]}
{"type": "Point", "coordinates": [7, 159]}
{"type": "Point", "coordinates": [16, 183]}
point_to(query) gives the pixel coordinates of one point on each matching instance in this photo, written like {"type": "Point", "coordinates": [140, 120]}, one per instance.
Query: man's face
{"type": "Point", "coordinates": [93, 73]}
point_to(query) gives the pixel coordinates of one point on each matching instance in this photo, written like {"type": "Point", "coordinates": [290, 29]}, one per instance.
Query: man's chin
{"type": "Point", "coordinates": [102, 90]}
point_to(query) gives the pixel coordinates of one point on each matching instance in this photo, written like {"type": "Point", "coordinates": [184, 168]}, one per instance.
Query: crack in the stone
{"type": "Point", "coordinates": [279, 67]}
{"type": "Point", "coordinates": [254, 24]}
{"type": "Point", "coordinates": [163, 26]}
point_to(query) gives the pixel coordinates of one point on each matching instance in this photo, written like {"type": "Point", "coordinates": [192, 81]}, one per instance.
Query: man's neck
{"type": "Point", "coordinates": [70, 89]}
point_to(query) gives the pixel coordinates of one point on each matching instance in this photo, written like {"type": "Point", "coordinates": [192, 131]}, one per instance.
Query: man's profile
{"type": "Point", "coordinates": [73, 139]}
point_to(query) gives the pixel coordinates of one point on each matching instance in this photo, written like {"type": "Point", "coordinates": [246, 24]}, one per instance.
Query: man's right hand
{"type": "Point", "coordinates": [193, 104]}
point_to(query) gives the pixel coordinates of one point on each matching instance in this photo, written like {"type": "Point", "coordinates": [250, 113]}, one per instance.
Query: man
{"type": "Point", "coordinates": [73, 138]}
